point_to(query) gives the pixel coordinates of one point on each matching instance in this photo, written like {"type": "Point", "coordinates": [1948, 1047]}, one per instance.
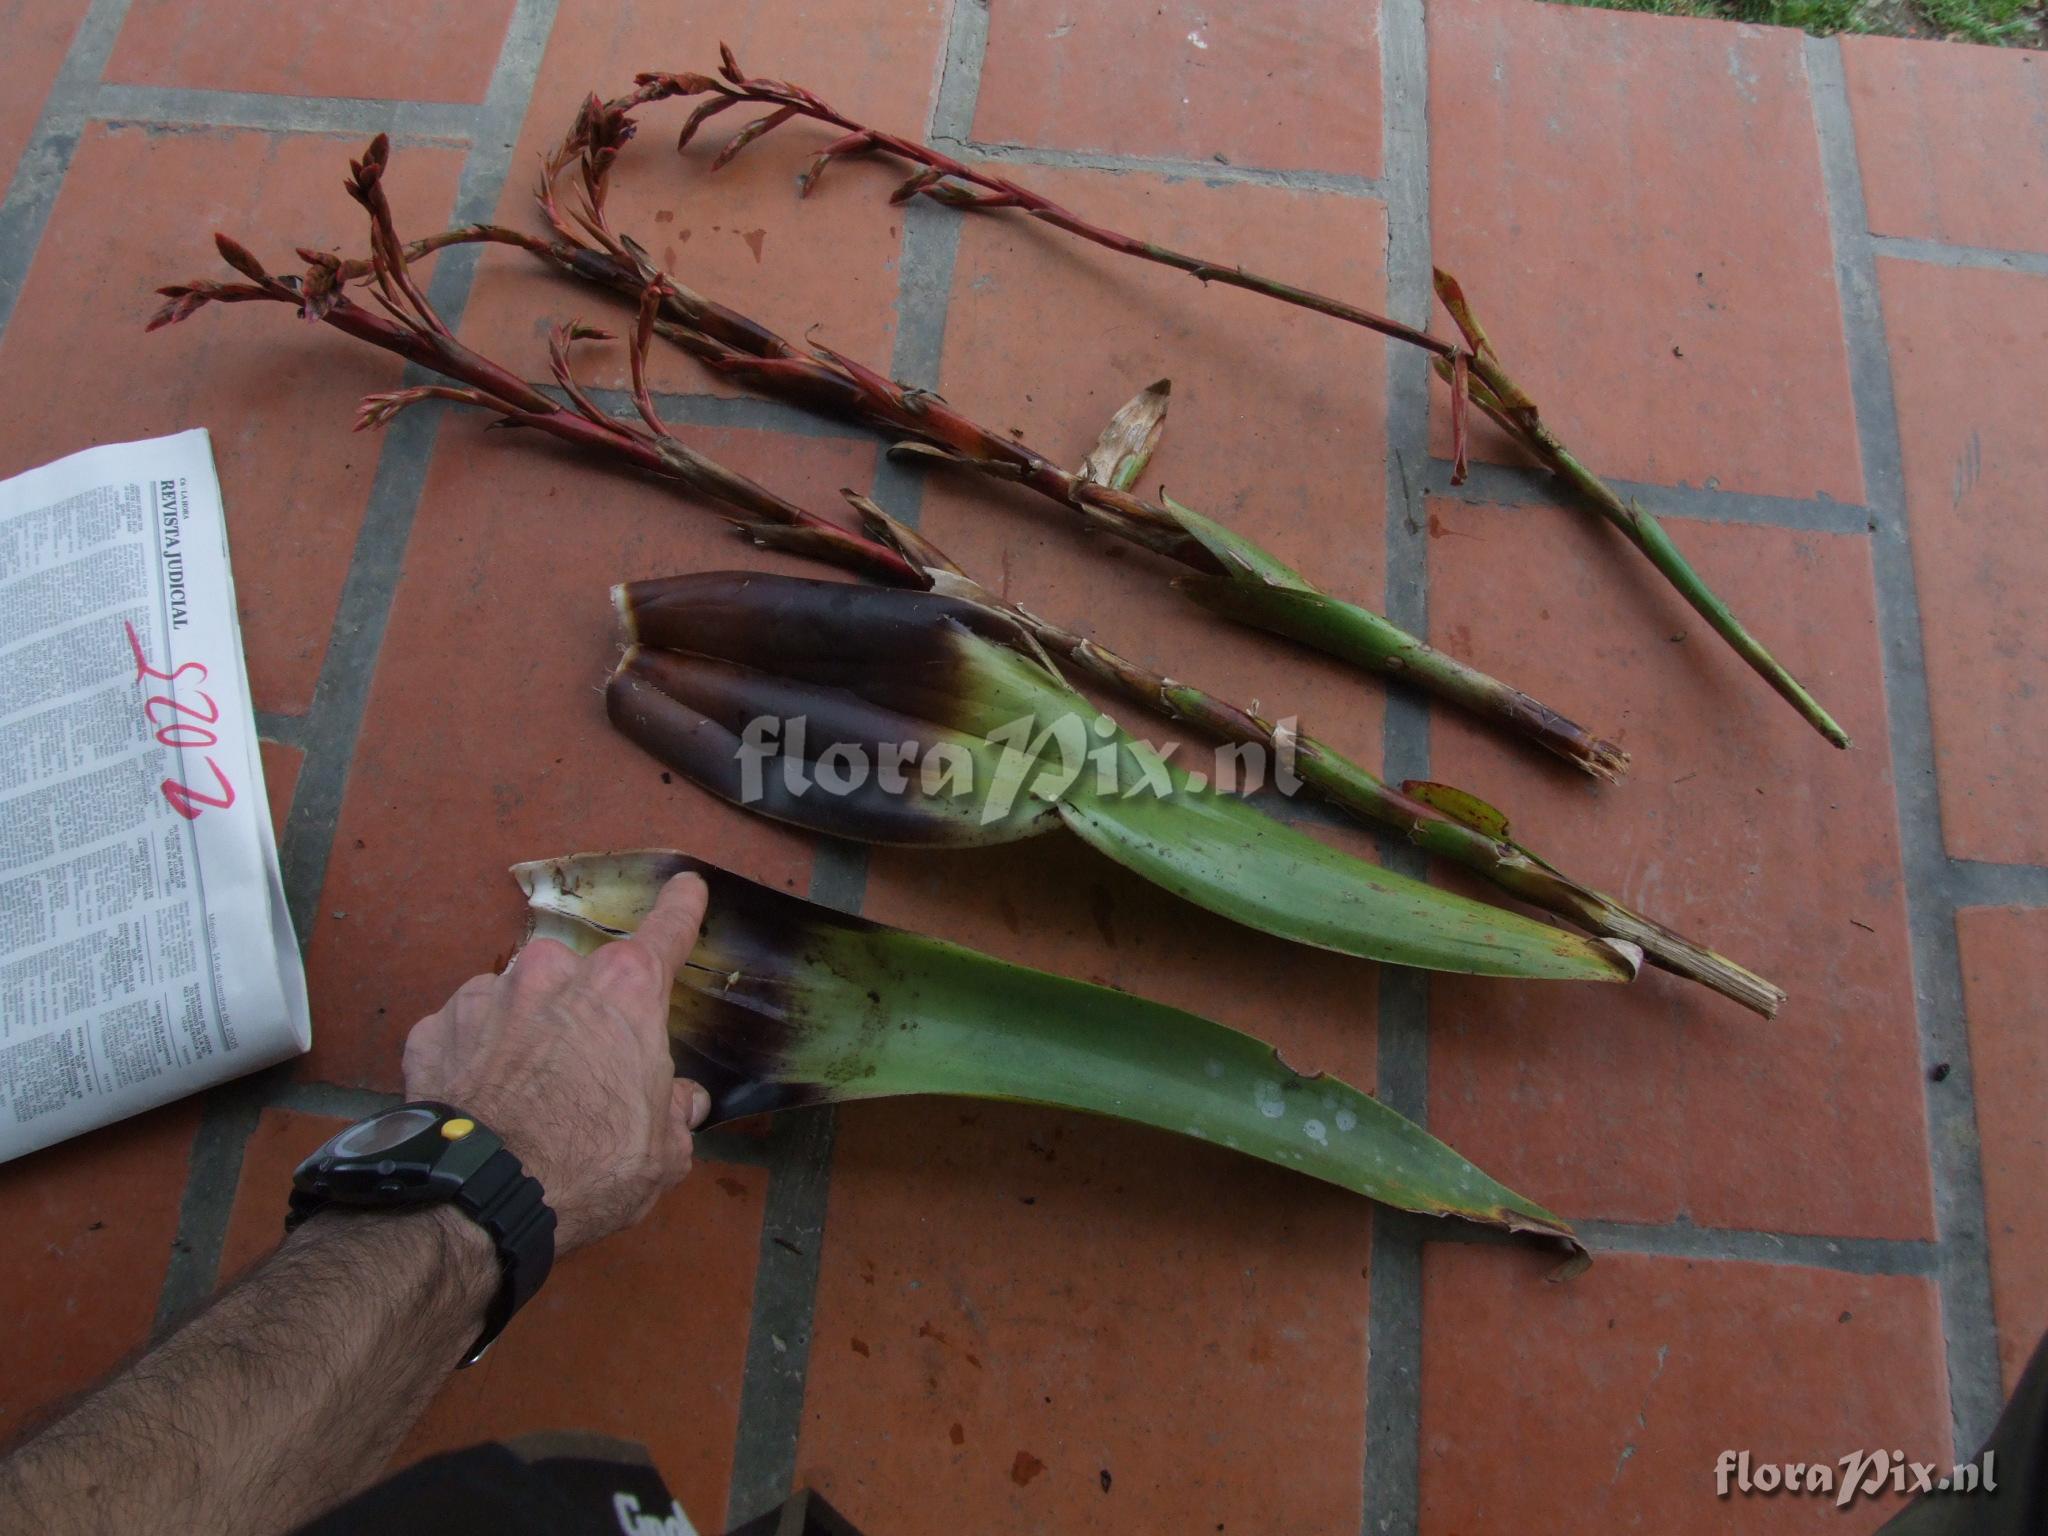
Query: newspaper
{"type": "Point", "coordinates": [145, 948]}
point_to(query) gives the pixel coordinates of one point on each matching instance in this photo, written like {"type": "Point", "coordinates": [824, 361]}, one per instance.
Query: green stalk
{"type": "Point", "coordinates": [1461, 828]}
{"type": "Point", "coordinates": [958, 184]}
{"type": "Point", "coordinates": [1510, 406]}
{"type": "Point", "coordinates": [1648, 535]}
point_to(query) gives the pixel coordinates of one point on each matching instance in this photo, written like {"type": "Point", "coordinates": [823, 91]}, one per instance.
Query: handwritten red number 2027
{"type": "Point", "coordinates": [182, 798]}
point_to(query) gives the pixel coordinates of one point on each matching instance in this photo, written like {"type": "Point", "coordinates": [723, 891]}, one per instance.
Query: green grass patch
{"type": "Point", "coordinates": [2011, 23]}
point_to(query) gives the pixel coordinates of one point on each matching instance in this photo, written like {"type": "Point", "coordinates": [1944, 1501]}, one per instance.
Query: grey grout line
{"type": "Point", "coordinates": [1937, 254]}
{"type": "Point", "coordinates": [799, 1163]}
{"type": "Point", "coordinates": [1393, 1396]}
{"type": "Point", "coordinates": [211, 1174]}
{"type": "Point", "coordinates": [745, 412]}
{"type": "Point", "coordinates": [1492, 484]}
{"type": "Point", "coordinates": [32, 192]}
{"type": "Point", "coordinates": [1214, 172]}
{"type": "Point", "coordinates": [1973, 883]}
{"type": "Point", "coordinates": [779, 1333]}
{"type": "Point", "coordinates": [341, 696]}
{"type": "Point", "coordinates": [931, 246]}
{"type": "Point", "coordinates": [328, 734]}
{"type": "Point", "coordinates": [1954, 1154]}
{"type": "Point", "coordinates": [799, 1181]}
{"type": "Point", "coordinates": [285, 730]}
{"type": "Point", "coordinates": [334, 1100]}
{"type": "Point", "coordinates": [168, 107]}
{"type": "Point", "coordinates": [1393, 1376]}
{"type": "Point", "coordinates": [1681, 1239]}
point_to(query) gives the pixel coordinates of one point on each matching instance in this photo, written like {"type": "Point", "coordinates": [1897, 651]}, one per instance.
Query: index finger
{"type": "Point", "coordinates": [669, 931]}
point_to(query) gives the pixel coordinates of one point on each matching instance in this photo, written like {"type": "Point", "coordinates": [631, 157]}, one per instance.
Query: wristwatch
{"type": "Point", "coordinates": [427, 1153]}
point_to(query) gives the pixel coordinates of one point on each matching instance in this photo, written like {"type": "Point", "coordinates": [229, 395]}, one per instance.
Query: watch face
{"type": "Point", "coordinates": [383, 1133]}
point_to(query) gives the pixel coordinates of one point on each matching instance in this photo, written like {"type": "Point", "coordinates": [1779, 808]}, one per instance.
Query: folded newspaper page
{"type": "Point", "coordinates": [145, 948]}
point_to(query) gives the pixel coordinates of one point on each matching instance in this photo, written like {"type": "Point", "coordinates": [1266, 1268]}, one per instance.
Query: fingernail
{"type": "Point", "coordinates": [700, 1106]}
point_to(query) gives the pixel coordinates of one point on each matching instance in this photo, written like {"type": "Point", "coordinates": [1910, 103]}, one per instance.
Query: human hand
{"type": "Point", "coordinates": [566, 1057]}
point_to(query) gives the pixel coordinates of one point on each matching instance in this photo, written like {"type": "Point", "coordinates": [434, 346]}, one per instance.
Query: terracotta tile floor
{"type": "Point", "coordinates": [1791, 294]}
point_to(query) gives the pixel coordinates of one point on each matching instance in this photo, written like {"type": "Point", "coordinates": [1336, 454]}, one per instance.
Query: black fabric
{"type": "Point", "coordinates": [2018, 1449]}
{"type": "Point", "coordinates": [547, 1485]}
{"type": "Point", "coordinates": [544, 1485]}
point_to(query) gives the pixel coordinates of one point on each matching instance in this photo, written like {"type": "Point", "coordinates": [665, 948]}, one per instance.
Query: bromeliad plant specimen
{"type": "Point", "coordinates": [1229, 574]}
{"type": "Point", "coordinates": [1439, 818]}
{"type": "Point", "coordinates": [408, 327]}
{"type": "Point", "coordinates": [784, 1003]}
{"type": "Point", "coordinates": [1474, 370]}
{"type": "Point", "coordinates": [796, 699]}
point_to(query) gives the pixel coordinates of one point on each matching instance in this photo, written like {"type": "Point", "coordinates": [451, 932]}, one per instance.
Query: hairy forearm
{"type": "Point", "coordinates": [283, 1397]}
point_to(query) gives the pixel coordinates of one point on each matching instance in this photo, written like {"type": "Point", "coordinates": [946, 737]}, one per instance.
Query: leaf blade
{"type": "Point", "coordinates": [1226, 856]}
{"type": "Point", "coordinates": [800, 1004]}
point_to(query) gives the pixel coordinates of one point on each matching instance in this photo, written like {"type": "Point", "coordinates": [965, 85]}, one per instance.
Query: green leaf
{"type": "Point", "coordinates": [1247, 562]}
{"type": "Point", "coordinates": [1220, 853]}
{"type": "Point", "coordinates": [1315, 618]}
{"type": "Point", "coordinates": [1460, 805]}
{"type": "Point", "coordinates": [786, 1003]}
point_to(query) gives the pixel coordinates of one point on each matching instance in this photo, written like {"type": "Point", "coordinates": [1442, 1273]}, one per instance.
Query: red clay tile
{"type": "Point", "coordinates": [1962, 342]}
{"type": "Point", "coordinates": [1032, 1322]}
{"type": "Point", "coordinates": [382, 50]}
{"type": "Point", "coordinates": [670, 1379]}
{"type": "Point", "coordinates": [744, 238]}
{"type": "Point", "coordinates": [1634, 206]}
{"type": "Point", "coordinates": [1604, 1403]}
{"type": "Point", "coordinates": [38, 34]}
{"type": "Point", "coordinates": [486, 740]}
{"type": "Point", "coordinates": [2005, 968]}
{"type": "Point", "coordinates": [138, 210]}
{"type": "Point", "coordinates": [1926, 121]}
{"type": "Point", "coordinates": [1287, 85]}
{"type": "Point", "coordinates": [281, 765]}
{"type": "Point", "coordinates": [1738, 826]}
{"type": "Point", "coordinates": [89, 1226]}
{"type": "Point", "coordinates": [283, 1138]}
{"type": "Point", "coordinates": [1275, 425]}
{"type": "Point", "coordinates": [1153, 1338]}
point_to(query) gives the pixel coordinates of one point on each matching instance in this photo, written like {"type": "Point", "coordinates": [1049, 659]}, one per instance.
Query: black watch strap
{"type": "Point", "coordinates": [428, 1153]}
{"type": "Point", "coordinates": [506, 1202]}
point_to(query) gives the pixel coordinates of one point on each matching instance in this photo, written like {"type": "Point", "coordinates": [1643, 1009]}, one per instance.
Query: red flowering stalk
{"type": "Point", "coordinates": [409, 326]}
{"type": "Point", "coordinates": [1227, 573]}
{"type": "Point", "coordinates": [1474, 371]}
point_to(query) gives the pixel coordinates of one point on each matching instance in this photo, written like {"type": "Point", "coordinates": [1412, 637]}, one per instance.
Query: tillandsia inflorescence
{"type": "Point", "coordinates": [918, 718]}
{"type": "Point", "coordinates": [785, 1003]}
{"type": "Point", "coordinates": [892, 554]}
{"type": "Point", "coordinates": [410, 327]}
{"type": "Point", "coordinates": [1229, 575]}
{"type": "Point", "coordinates": [1474, 371]}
